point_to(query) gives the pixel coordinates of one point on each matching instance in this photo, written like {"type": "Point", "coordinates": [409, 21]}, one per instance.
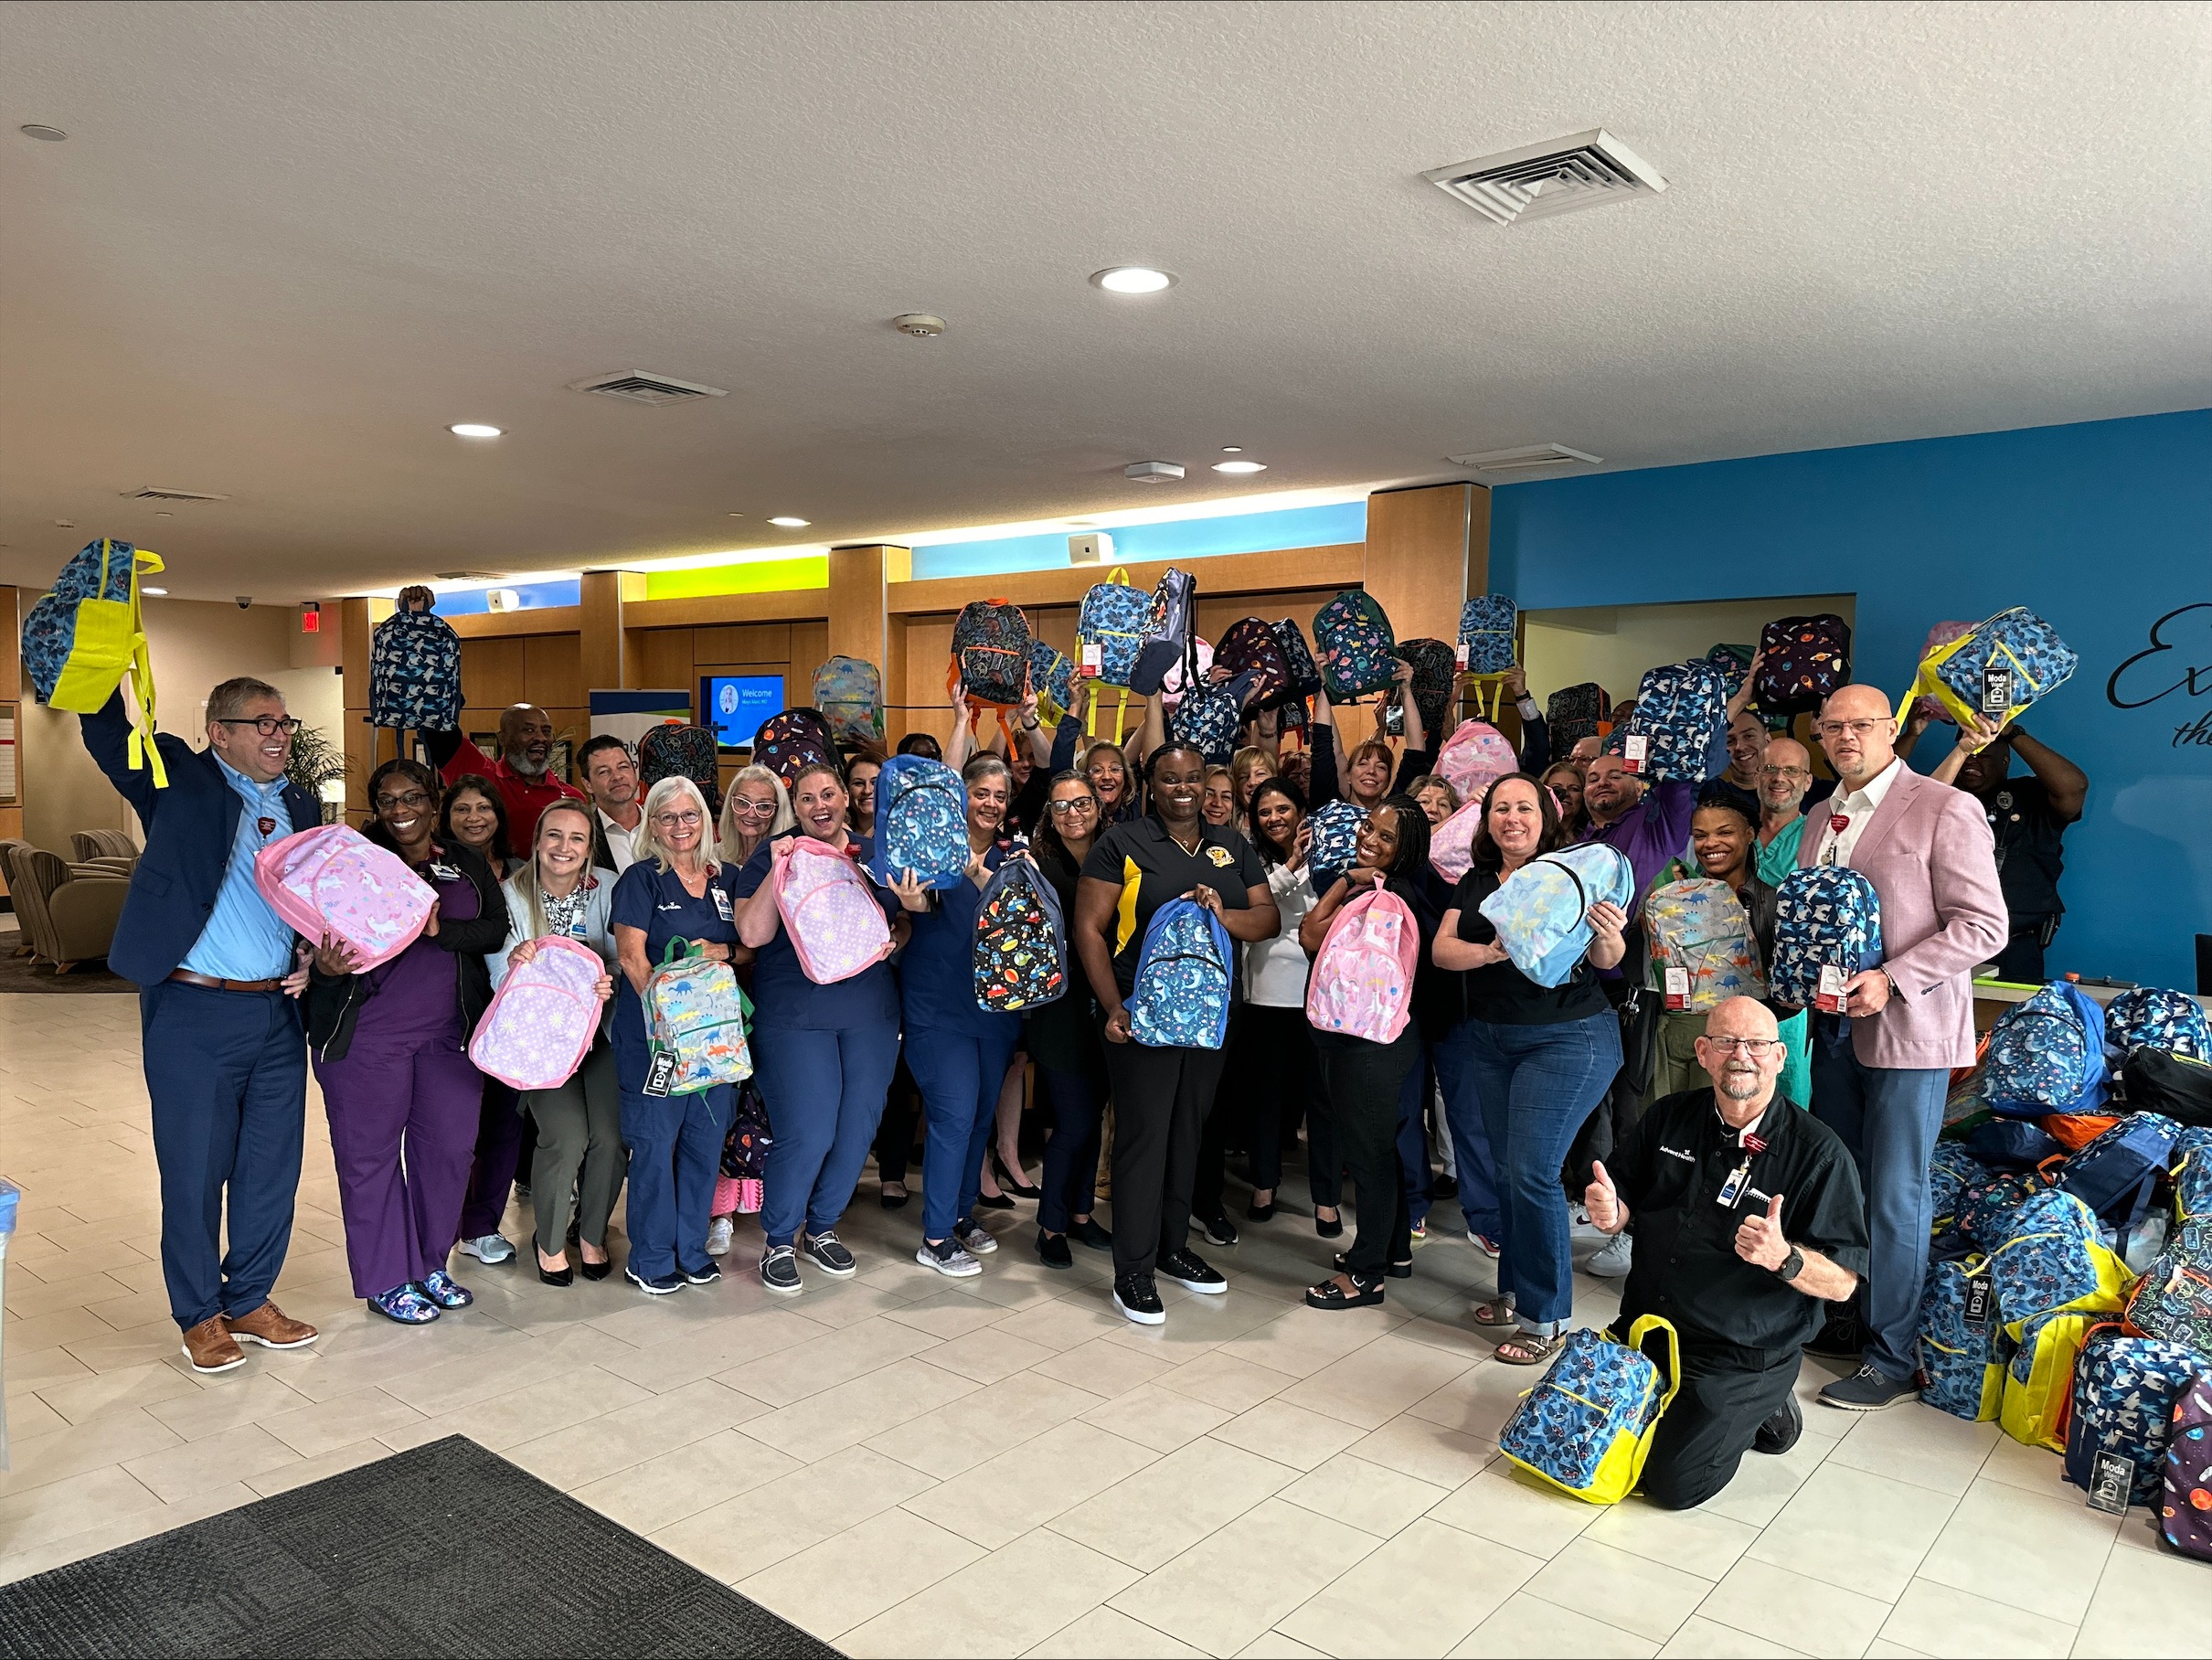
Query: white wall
{"type": "Point", "coordinates": [1613, 645]}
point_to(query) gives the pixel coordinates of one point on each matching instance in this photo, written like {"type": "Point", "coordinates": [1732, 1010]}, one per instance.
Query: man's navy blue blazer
{"type": "Point", "coordinates": [190, 829]}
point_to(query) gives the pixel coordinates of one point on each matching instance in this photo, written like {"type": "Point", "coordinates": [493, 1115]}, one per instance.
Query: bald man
{"type": "Point", "coordinates": [1785, 773]}
{"type": "Point", "coordinates": [525, 787]}
{"type": "Point", "coordinates": [1927, 850]}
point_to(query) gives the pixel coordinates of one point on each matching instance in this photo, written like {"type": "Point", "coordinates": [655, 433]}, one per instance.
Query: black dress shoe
{"type": "Point", "coordinates": [1444, 1187]}
{"type": "Point", "coordinates": [1088, 1232]}
{"type": "Point", "coordinates": [1260, 1213]}
{"type": "Point", "coordinates": [1781, 1429]}
{"type": "Point", "coordinates": [1011, 1180]}
{"type": "Point", "coordinates": [556, 1276]}
{"type": "Point", "coordinates": [1052, 1249]}
{"type": "Point", "coordinates": [892, 1201]}
{"type": "Point", "coordinates": [596, 1271]}
{"type": "Point", "coordinates": [1330, 1231]}
{"type": "Point", "coordinates": [988, 1201]}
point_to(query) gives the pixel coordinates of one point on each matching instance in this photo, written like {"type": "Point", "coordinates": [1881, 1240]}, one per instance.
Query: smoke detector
{"type": "Point", "coordinates": [638, 386]}
{"type": "Point", "coordinates": [1153, 472]}
{"type": "Point", "coordinates": [157, 493]}
{"type": "Point", "coordinates": [920, 324]}
{"type": "Point", "coordinates": [1526, 458]}
{"type": "Point", "coordinates": [1586, 170]}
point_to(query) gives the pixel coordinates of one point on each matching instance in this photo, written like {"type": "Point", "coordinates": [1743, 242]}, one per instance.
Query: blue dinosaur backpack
{"type": "Point", "coordinates": [1333, 844]}
{"type": "Point", "coordinates": [921, 822]}
{"type": "Point", "coordinates": [1998, 668]}
{"type": "Point", "coordinates": [2150, 1019]}
{"type": "Point", "coordinates": [87, 633]}
{"type": "Point", "coordinates": [2055, 1263]}
{"type": "Point", "coordinates": [1305, 673]}
{"type": "Point", "coordinates": [1825, 916]}
{"type": "Point", "coordinates": [1021, 954]}
{"type": "Point", "coordinates": [1180, 998]}
{"type": "Point", "coordinates": [2125, 1389]}
{"type": "Point", "coordinates": [1734, 662]}
{"type": "Point", "coordinates": [1208, 718]}
{"type": "Point", "coordinates": [2047, 1054]}
{"type": "Point", "coordinates": [1587, 1428]}
{"type": "Point", "coordinates": [1541, 911]}
{"type": "Point", "coordinates": [1170, 634]}
{"type": "Point", "coordinates": [1963, 1347]}
{"type": "Point", "coordinates": [1678, 706]}
{"type": "Point", "coordinates": [849, 691]}
{"type": "Point", "coordinates": [1362, 651]}
{"type": "Point", "coordinates": [2114, 1173]}
{"type": "Point", "coordinates": [414, 672]}
{"type": "Point", "coordinates": [1487, 631]}
{"type": "Point", "coordinates": [1951, 1170]}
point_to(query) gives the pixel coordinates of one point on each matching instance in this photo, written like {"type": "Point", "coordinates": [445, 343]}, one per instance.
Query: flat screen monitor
{"type": "Point", "coordinates": [734, 706]}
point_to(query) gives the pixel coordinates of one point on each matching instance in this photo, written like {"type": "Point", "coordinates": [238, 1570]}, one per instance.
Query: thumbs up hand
{"type": "Point", "coordinates": [1604, 1202]}
{"type": "Point", "coordinates": [1760, 1242]}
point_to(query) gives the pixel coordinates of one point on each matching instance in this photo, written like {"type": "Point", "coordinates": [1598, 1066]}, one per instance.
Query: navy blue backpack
{"type": "Point", "coordinates": [2114, 1173]}
{"type": "Point", "coordinates": [1678, 706]}
{"type": "Point", "coordinates": [1020, 948]}
{"type": "Point", "coordinates": [2047, 1054]}
{"type": "Point", "coordinates": [921, 822]}
{"type": "Point", "coordinates": [1180, 999]}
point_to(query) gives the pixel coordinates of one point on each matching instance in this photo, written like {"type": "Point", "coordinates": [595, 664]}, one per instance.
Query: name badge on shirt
{"type": "Point", "coordinates": [1828, 997]}
{"type": "Point", "coordinates": [1634, 748]}
{"type": "Point", "coordinates": [1677, 988]}
{"type": "Point", "coordinates": [444, 873]}
{"type": "Point", "coordinates": [1732, 1189]}
{"type": "Point", "coordinates": [721, 903]}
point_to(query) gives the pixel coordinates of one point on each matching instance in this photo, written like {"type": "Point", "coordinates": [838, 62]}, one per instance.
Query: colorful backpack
{"type": "Point", "coordinates": [788, 743]}
{"type": "Point", "coordinates": [2039, 1383]}
{"type": "Point", "coordinates": [1021, 959]}
{"type": "Point", "coordinates": [1109, 627]}
{"type": "Point", "coordinates": [1963, 1347]}
{"type": "Point", "coordinates": [1702, 949]}
{"type": "Point", "coordinates": [414, 672]}
{"type": "Point", "coordinates": [1677, 709]}
{"type": "Point", "coordinates": [2180, 1086]}
{"type": "Point", "coordinates": [542, 1018]}
{"type": "Point", "coordinates": [332, 880]}
{"type": "Point", "coordinates": [1250, 647]}
{"type": "Point", "coordinates": [1986, 1209]}
{"type": "Point", "coordinates": [1802, 659]}
{"type": "Point", "coordinates": [2114, 1174]}
{"type": "Point", "coordinates": [1298, 657]}
{"type": "Point", "coordinates": [1170, 633]}
{"type": "Point", "coordinates": [921, 822]}
{"type": "Point", "coordinates": [2125, 1389]}
{"type": "Point", "coordinates": [694, 1019]}
{"type": "Point", "coordinates": [2054, 1263]}
{"type": "Point", "coordinates": [87, 633]}
{"type": "Point", "coordinates": [1574, 712]}
{"type": "Point", "coordinates": [1354, 634]}
{"type": "Point", "coordinates": [1210, 718]}
{"type": "Point", "coordinates": [1541, 911]}
{"type": "Point", "coordinates": [1474, 758]}
{"type": "Point", "coordinates": [849, 691]}
{"type": "Point", "coordinates": [1734, 662]}
{"type": "Point", "coordinates": [1452, 843]}
{"type": "Point", "coordinates": [745, 1148]}
{"type": "Point", "coordinates": [1998, 668]}
{"type": "Point", "coordinates": [1052, 677]}
{"type": "Point", "coordinates": [991, 653]}
{"type": "Point", "coordinates": [681, 751]}
{"type": "Point", "coordinates": [2150, 1019]}
{"type": "Point", "coordinates": [830, 912]}
{"type": "Point", "coordinates": [1941, 635]}
{"type": "Point", "coordinates": [1486, 635]}
{"type": "Point", "coordinates": [1435, 679]}
{"type": "Point", "coordinates": [1951, 1170]}
{"type": "Point", "coordinates": [2185, 1500]}
{"type": "Point", "coordinates": [1200, 663]}
{"type": "Point", "coordinates": [2047, 1054]}
{"type": "Point", "coordinates": [1180, 999]}
{"type": "Point", "coordinates": [2173, 1300]}
{"type": "Point", "coordinates": [1587, 1428]}
{"type": "Point", "coordinates": [1825, 916]}
{"type": "Point", "coordinates": [1362, 983]}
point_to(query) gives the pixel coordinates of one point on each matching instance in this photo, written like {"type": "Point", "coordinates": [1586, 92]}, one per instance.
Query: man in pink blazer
{"type": "Point", "coordinates": [1927, 849]}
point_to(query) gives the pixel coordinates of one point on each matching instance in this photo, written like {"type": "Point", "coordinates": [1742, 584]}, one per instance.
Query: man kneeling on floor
{"type": "Point", "coordinates": [1748, 1222]}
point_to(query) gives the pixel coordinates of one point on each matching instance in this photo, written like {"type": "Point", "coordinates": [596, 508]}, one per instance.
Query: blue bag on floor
{"type": "Point", "coordinates": [1180, 999]}
{"type": "Point", "coordinates": [2125, 1389]}
{"type": "Point", "coordinates": [1963, 1347]}
{"type": "Point", "coordinates": [2150, 1019]}
{"type": "Point", "coordinates": [2114, 1173]}
{"type": "Point", "coordinates": [1587, 1428]}
{"type": "Point", "coordinates": [2047, 1054]}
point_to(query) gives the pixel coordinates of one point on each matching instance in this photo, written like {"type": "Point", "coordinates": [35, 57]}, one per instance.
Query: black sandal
{"type": "Point", "coordinates": [1397, 1270]}
{"type": "Point", "coordinates": [1330, 1295]}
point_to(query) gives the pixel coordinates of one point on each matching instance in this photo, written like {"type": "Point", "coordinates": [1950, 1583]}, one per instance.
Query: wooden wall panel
{"type": "Point", "coordinates": [553, 670]}
{"type": "Point", "coordinates": [665, 663]}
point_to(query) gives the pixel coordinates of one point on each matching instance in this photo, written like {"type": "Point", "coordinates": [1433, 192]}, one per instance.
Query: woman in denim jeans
{"type": "Point", "coordinates": [1539, 1059]}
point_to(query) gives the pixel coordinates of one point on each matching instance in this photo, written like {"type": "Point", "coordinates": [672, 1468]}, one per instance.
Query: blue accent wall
{"type": "Point", "coordinates": [1177, 540]}
{"type": "Point", "coordinates": [534, 596]}
{"type": "Point", "coordinates": [2104, 529]}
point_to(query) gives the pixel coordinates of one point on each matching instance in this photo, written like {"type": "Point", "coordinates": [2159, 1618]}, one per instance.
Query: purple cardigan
{"type": "Point", "coordinates": [1658, 827]}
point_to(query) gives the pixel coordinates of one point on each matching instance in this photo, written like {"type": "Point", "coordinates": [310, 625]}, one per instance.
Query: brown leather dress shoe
{"type": "Point", "coordinates": [272, 1328]}
{"type": "Point", "coordinates": [208, 1347]}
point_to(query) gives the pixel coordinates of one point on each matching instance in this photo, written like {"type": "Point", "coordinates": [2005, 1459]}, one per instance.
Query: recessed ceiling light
{"type": "Point", "coordinates": [43, 133]}
{"type": "Point", "coordinates": [1232, 449]}
{"type": "Point", "coordinates": [161, 514]}
{"type": "Point", "coordinates": [473, 429]}
{"type": "Point", "coordinates": [1240, 466]}
{"type": "Point", "coordinates": [65, 523]}
{"type": "Point", "coordinates": [1131, 280]}
{"type": "Point", "coordinates": [159, 593]}
{"type": "Point", "coordinates": [783, 521]}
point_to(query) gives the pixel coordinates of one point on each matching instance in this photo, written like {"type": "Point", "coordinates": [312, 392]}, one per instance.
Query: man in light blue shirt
{"type": "Point", "coordinates": [244, 938]}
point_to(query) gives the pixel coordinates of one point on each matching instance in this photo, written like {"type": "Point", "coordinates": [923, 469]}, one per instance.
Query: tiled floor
{"type": "Point", "coordinates": [1002, 1466]}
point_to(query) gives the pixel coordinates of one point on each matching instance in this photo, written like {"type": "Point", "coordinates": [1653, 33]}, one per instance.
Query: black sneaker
{"type": "Point", "coordinates": [658, 1286]}
{"type": "Point", "coordinates": [1781, 1430]}
{"type": "Point", "coordinates": [701, 1276]}
{"type": "Point", "coordinates": [1137, 1299]}
{"type": "Point", "coordinates": [1088, 1232]}
{"type": "Point", "coordinates": [1052, 1249]}
{"type": "Point", "coordinates": [1219, 1229]}
{"type": "Point", "coordinates": [1866, 1391]}
{"type": "Point", "coordinates": [1187, 1269]}
{"type": "Point", "coordinates": [780, 1271]}
{"type": "Point", "coordinates": [827, 1252]}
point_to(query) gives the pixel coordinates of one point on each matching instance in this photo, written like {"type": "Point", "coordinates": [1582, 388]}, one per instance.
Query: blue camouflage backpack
{"type": "Point", "coordinates": [1362, 651]}
{"type": "Point", "coordinates": [1998, 668]}
{"type": "Point", "coordinates": [2114, 1173]}
{"type": "Point", "coordinates": [1052, 678]}
{"type": "Point", "coordinates": [1963, 1347]}
{"type": "Point", "coordinates": [1541, 911]}
{"type": "Point", "coordinates": [1208, 718]}
{"type": "Point", "coordinates": [1587, 1428]}
{"type": "Point", "coordinates": [1486, 643]}
{"type": "Point", "coordinates": [1677, 709]}
{"type": "Point", "coordinates": [2125, 1389]}
{"type": "Point", "coordinates": [1180, 999]}
{"type": "Point", "coordinates": [2150, 1019]}
{"type": "Point", "coordinates": [1333, 842]}
{"type": "Point", "coordinates": [1825, 916]}
{"type": "Point", "coordinates": [414, 672]}
{"type": "Point", "coordinates": [921, 822]}
{"type": "Point", "coordinates": [1951, 1170]}
{"type": "Point", "coordinates": [1170, 634]}
{"type": "Point", "coordinates": [1110, 626]}
{"type": "Point", "coordinates": [87, 633]}
{"type": "Point", "coordinates": [1020, 946]}
{"type": "Point", "coordinates": [2047, 1054]}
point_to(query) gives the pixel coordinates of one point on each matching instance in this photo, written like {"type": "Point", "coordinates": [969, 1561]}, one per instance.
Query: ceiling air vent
{"type": "Point", "coordinates": [1585, 171]}
{"type": "Point", "coordinates": [1526, 458]}
{"type": "Point", "coordinates": [636, 386]}
{"type": "Point", "coordinates": [154, 493]}
{"type": "Point", "coordinates": [467, 575]}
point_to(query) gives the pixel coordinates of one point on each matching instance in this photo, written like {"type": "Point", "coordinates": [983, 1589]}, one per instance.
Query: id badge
{"type": "Point", "coordinates": [1634, 748]}
{"type": "Point", "coordinates": [1677, 988]}
{"type": "Point", "coordinates": [1089, 665]}
{"type": "Point", "coordinates": [1732, 1189]}
{"type": "Point", "coordinates": [721, 903]}
{"type": "Point", "coordinates": [662, 1073]}
{"type": "Point", "coordinates": [1996, 690]}
{"type": "Point", "coordinates": [444, 873]}
{"type": "Point", "coordinates": [1829, 997]}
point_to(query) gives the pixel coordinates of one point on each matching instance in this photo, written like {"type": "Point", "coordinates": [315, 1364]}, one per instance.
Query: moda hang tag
{"type": "Point", "coordinates": [1980, 1294]}
{"type": "Point", "coordinates": [1829, 997]}
{"type": "Point", "coordinates": [2112, 1482]}
{"type": "Point", "coordinates": [1091, 661]}
{"type": "Point", "coordinates": [1677, 988]}
{"type": "Point", "coordinates": [1996, 690]}
{"type": "Point", "coordinates": [1634, 748]}
{"type": "Point", "coordinates": [660, 1074]}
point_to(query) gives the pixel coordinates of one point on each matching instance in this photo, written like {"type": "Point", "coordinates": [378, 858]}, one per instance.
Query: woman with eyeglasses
{"type": "Point", "coordinates": [677, 890]}
{"type": "Point", "coordinates": [823, 1054]}
{"type": "Point", "coordinates": [1062, 1038]}
{"type": "Point", "coordinates": [390, 1053]}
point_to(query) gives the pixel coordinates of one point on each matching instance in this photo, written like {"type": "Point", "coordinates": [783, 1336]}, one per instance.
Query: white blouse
{"type": "Point", "coordinates": [1275, 970]}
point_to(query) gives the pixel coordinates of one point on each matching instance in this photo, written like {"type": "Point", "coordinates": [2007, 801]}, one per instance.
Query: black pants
{"type": "Point", "coordinates": [1276, 1078]}
{"type": "Point", "coordinates": [895, 1130]}
{"type": "Point", "coordinates": [1071, 1157]}
{"type": "Point", "coordinates": [1705, 1433]}
{"type": "Point", "coordinates": [1161, 1098]}
{"type": "Point", "coordinates": [1362, 1082]}
{"type": "Point", "coordinates": [2021, 960]}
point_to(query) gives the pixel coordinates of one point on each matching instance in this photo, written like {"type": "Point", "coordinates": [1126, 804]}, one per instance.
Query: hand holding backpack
{"type": "Point", "coordinates": [542, 1018]}
{"type": "Point", "coordinates": [694, 1019]}
{"type": "Point", "coordinates": [1252, 647]}
{"type": "Point", "coordinates": [1801, 661]}
{"type": "Point", "coordinates": [1827, 919]}
{"type": "Point", "coordinates": [1359, 652]}
{"type": "Point", "coordinates": [790, 742]}
{"type": "Point", "coordinates": [1998, 669]}
{"type": "Point", "coordinates": [1021, 953]}
{"type": "Point", "coordinates": [1362, 982]}
{"type": "Point", "coordinates": [88, 631]}
{"type": "Point", "coordinates": [922, 824]}
{"type": "Point", "coordinates": [1701, 948]}
{"type": "Point", "coordinates": [1180, 996]}
{"type": "Point", "coordinates": [330, 879]}
{"type": "Point", "coordinates": [829, 910]}
{"type": "Point", "coordinates": [1677, 709]}
{"type": "Point", "coordinates": [1170, 633]}
{"type": "Point", "coordinates": [1541, 911]}
{"type": "Point", "coordinates": [849, 692]}
{"type": "Point", "coordinates": [679, 750]}
{"type": "Point", "coordinates": [1474, 758]}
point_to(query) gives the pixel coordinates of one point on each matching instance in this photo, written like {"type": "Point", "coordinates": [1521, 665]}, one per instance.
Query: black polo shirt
{"type": "Point", "coordinates": [1670, 1171]}
{"type": "Point", "coordinates": [1149, 868]}
{"type": "Point", "coordinates": [2029, 859]}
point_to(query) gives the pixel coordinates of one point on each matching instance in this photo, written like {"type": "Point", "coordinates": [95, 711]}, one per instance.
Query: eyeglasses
{"type": "Point", "coordinates": [670, 821]}
{"type": "Point", "coordinates": [268, 726]}
{"type": "Point", "coordinates": [413, 798]}
{"type": "Point", "coordinates": [1756, 1047]}
{"type": "Point", "coordinates": [1080, 804]}
{"type": "Point", "coordinates": [750, 809]}
{"type": "Point", "coordinates": [1785, 771]}
{"type": "Point", "coordinates": [1857, 729]}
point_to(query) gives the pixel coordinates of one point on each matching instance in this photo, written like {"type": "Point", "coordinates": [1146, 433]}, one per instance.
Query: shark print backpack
{"type": "Point", "coordinates": [2150, 1019]}
{"type": "Point", "coordinates": [414, 672]}
{"type": "Point", "coordinates": [1825, 916]}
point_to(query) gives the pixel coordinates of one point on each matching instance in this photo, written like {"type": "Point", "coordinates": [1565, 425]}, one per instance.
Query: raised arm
{"type": "Point", "coordinates": [107, 738]}
{"type": "Point", "coordinates": [758, 917]}
{"type": "Point", "coordinates": [2064, 784]}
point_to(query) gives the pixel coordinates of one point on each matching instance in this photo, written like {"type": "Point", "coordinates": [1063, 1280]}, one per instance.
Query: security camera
{"type": "Point", "coordinates": [245, 601]}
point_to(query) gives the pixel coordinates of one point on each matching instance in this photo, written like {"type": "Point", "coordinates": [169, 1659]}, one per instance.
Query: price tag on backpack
{"type": "Point", "coordinates": [1829, 997]}
{"type": "Point", "coordinates": [662, 1073]}
{"type": "Point", "coordinates": [2112, 1482]}
{"type": "Point", "coordinates": [1996, 690]}
{"type": "Point", "coordinates": [1980, 1294]}
{"type": "Point", "coordinates": [1461, 655]}
{"type": "Point", "coordinates": [1677, 988]}
{"type": "Point", "coordinates": [1092, 660]}
{"type": "Point", "coordinates": [1634, 748]}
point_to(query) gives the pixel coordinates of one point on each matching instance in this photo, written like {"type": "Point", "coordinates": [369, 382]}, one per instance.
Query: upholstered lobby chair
{"type": "Point", "coordinates": [69, 911]}
{"type": "Point", "coordinates": [92, 845]}
{"type": "Point", "coordinates": [9, 847]}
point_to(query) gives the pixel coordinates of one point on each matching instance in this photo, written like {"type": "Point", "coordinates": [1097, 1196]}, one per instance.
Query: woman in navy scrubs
{"type": "Point", "coordinates": [823, 1054]}
{"type": "Point", "coordinates": [957, 1051]}
{"type": "Point", "coordinates": [674, 890]}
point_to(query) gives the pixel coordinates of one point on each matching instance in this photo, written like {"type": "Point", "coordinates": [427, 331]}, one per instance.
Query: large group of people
{"type": "Point", "coordinates": [1758, 1228]}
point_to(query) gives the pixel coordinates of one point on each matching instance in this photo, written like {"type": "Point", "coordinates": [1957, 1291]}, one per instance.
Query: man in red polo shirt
{"type": "Point", "coordinates": [525, 788]}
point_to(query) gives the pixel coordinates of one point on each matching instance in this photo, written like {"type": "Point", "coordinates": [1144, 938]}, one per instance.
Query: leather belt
{"type": "Point", "coordinates": [214, 985]}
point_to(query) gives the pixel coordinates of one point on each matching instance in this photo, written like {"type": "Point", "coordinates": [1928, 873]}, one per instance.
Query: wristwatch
{"type": "Point", "coordinates": [1791, 1265]}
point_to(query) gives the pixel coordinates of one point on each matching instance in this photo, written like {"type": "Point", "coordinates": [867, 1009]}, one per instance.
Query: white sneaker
{"type": "Point", "coordinates": [976, 1239]}
{"type": "Point", "coordinates": [956, 1264]}
{"type": "Point", "coordinates": [720, 1235]}
{"type": "Point", "coordinates": [491, 1248]}
{"type": "Point", "coordinates": [1611, 1263]}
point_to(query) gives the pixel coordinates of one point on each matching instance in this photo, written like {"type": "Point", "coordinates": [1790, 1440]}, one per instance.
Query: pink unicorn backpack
{"type": "Point", "coordinates": [1452, 843]}
{"type": "Point", "coordinates": [334, 880]}
{"type": "Point", "coordinates": [1475, 758]}
{"type": "Point", "coordinates": [1362, 983]}
{"type": "Point", "coordinates": [542, 1018]}
{"type": "Point", "coordinates": [830, 912]}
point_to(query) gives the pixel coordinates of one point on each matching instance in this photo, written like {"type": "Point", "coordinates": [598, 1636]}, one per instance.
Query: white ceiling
{"type": "Point", "coordinates": [285, 245]}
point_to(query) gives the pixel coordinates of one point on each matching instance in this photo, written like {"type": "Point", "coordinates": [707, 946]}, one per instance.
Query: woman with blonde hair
{"type": "Point", "coordinates": [755, 807]}
{"type": "Point", "coordinates": [1246, 768]}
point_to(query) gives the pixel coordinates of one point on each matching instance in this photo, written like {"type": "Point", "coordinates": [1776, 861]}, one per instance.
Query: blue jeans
{"type": "Point", "coordinates": [1538, 1084]}
{"type": "Point", "coordinates": [960, 1074]}
{"type": "Point", "coordinates": [1888, 1117]}
{"type": "Point", "coordinates": [1454, 1053]}
{"type": "Point", "coordinates": [676, 1151]}
{"type": "Point", "coordinates": [824, 1093]}
{"type": "Point", "coordinates": [1071, 1156]}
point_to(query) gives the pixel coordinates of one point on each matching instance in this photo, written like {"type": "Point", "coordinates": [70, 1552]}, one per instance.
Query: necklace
{"type": "Point", "coordinates": [1190, 848]}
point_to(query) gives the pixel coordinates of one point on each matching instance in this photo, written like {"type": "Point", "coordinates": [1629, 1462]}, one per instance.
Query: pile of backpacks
{"type": "Point", "coordinates": [2069, 1287]}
